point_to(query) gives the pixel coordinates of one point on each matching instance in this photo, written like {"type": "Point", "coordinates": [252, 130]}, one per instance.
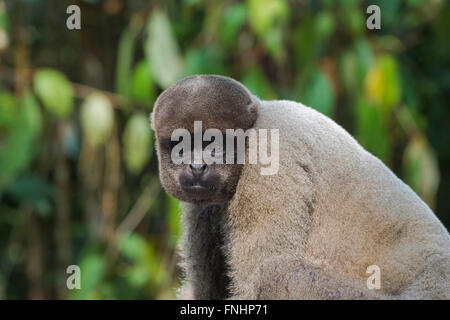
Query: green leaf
{"type": "Point", "coordinates": [348, 67]}
{"type": "Point", "coordinates": [138, 275]}
{"type": "Point", "coordinates": [143, 85]}
{"type": "Point", "coordinates": [137, 141]}
{"type": "Point", "coordinates": [306, 43]}
{"type": "Point", "coordinates": [354, 65]}
{"type": "Point", "coordinates": [19, 144]}
{"type": "Point", "coordinates": [364, 57]}
{"type": "Point", "coordinates": [255, 80]}
{"type": "Point", "coordinates": [267, 19]}
{"type": "Point", "coordinates": [204, 61]}
{"type": "Point", "coordinates": [33, 191]}
{"type": "Point", "coordinates": [390, 11]}
{"type": "Point", "coordinates": [265, 14]}
{"type": "Point", "coordinates": [158, 271]}
{"type": "Point", "coordinates": [414, 3]}
{"type": "Point", "coordinates": [15, 156]}
{"type": "Point", "coordinates": [370, 130]}
{"type": "Point", "coordinates": [319, 94]}
{"type": "Point", "coordinates": [421, 170]}
{"type": "Point", "coordinates": [93, 268]}
{"type": "Point", "coordinates": [355, 20]}
{"type": "Point", "coordinates": [382, 83]}
{"type": "Point", "coordinates": [7, 109]}
{"type": "Point", "coordinates": [97, 118]}
{"type": "Point", "coordinates": [233, 20]}
{"type": "Point", "coordinates": [324, 25]}
{"type": "Point", "coordinates": [125, 59]}
{"type": "Point", "coordinates": [133, 246]}
{"type": "Point", "coordinates": [55, 91]}
{"type": "Point", "coordinates": [347, 4]}
{"type": "Point", "coordinates": [4, 21]}
{"type": "Point", "coordinates": [145, 264]}
{"type": "Point", "coordinates": [31, 114]}
{"type": "Point", "coordinates": [162, 50]}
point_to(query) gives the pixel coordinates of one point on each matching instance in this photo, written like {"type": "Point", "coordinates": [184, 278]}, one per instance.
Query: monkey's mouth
{"type": "Point", "coordinates": [198, 192]}
{"type": "Point", "coordinates": [198, 188]}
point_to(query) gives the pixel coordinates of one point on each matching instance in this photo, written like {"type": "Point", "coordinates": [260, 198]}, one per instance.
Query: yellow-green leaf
{"type": "Point", "coordinates": [421, 169]}
{"type": "Point", "coordinates": [137, 140]}
{"type": "Point", "coordinates": [55, 91]}
{"type": "Point", "coordinates": [162, 50]}
{"type": "Point", "coordinates": [97, 118]}
{"type": "Point", "coordinates": [143, 86]}
{"type": "Point", "coordinates": [371, 131]}
{"type": "Point", "coordinates": [382, 83]}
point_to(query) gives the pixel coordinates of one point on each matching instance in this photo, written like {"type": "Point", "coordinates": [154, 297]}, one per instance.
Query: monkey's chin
{"type": "Point", "coordinates": [198, 195]}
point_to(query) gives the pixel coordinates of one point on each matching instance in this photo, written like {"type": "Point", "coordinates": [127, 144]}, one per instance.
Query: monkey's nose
{"type": "Point", "coordinates": [197, 169]}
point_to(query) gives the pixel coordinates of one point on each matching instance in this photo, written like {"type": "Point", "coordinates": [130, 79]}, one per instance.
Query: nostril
{"type": "Point", "coordinates": [198, 168]}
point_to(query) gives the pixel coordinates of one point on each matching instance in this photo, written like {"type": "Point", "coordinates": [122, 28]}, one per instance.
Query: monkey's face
{"type": "Point", "coordinates": [196, 181]}
{"type": "Point", "coordinates": [219, 103]}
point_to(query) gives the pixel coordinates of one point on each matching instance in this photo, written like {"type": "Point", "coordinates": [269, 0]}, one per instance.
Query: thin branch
{"type": "Point", "coordinates": [141, 207]}
{"type": "Point", "coordinates": [81, 91]}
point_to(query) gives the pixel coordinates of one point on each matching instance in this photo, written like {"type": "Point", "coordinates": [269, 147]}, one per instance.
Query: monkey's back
{"type": "Point", "coordinates": [341, 208]}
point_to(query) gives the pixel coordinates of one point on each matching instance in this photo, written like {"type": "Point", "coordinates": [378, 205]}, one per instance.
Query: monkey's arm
{"type": "Point", "coordinates": [203, 261]}
{"type": "Point", "coordinates": [281, 278]}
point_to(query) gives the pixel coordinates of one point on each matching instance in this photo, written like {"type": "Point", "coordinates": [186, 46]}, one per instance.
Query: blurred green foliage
{"type": "Point", "coordinates": [78, 175]}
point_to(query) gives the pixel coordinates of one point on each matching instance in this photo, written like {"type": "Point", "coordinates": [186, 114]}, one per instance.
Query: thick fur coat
{"type": "Point", "coordinates": [312, 230]}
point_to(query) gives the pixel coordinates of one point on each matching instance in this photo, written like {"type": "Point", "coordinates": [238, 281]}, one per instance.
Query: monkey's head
{"type": "Point", "coordinates": [219, 103]}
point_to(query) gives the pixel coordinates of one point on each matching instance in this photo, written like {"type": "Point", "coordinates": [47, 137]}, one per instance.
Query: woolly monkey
{"type": "Point", "coordinates": [312, 230]}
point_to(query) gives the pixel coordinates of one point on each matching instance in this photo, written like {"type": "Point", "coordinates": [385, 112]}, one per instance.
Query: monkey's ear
{"type": "Point", "coordinates": [152, 120]}
{"type": "Point", "coordinates": [253, 107]}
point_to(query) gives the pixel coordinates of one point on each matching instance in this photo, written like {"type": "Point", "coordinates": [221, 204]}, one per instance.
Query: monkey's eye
{"type": "Point", "coordinates": [172, 144]}
{"type": "Point", "coordinates": [168, 144]}
{"type": "Point", "coordinates": [216, 151]}
{"type": "Point", "coordinates": [213, 149]}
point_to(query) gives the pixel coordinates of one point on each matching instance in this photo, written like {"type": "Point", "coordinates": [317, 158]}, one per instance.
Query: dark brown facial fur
{"type": "Point", "coordinates": [219, 102]}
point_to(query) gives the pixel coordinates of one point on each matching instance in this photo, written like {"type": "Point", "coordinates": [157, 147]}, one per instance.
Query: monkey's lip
{"type": "Point", "coordinates": [198, 190]}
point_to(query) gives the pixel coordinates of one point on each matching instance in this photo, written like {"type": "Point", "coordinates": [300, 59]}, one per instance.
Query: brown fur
{"type": "Point", "coordinates": [311, 230]}
{"type": "Point", "coordinates": [218, 102]}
